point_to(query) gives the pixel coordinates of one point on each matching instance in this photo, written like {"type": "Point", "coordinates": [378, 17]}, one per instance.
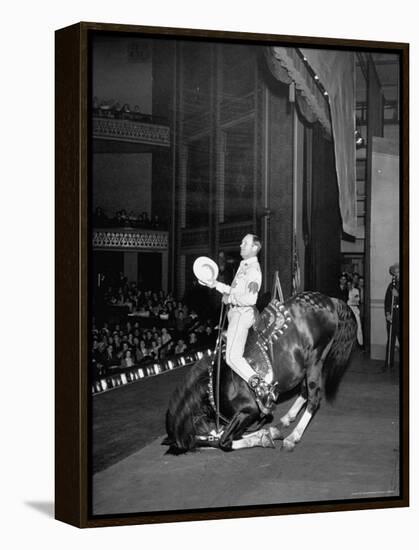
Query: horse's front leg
{"type": "Point", "coordinates": [313, 381]}
{"type": "Point", "coordinates": [264, 437]}
{"type": "Point", "coordinates": [236, 428]}
{"type": "Point", "coordinates": [291, 415]}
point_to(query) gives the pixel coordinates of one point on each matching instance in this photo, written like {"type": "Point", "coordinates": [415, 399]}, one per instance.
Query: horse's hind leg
{"type": "Point", "coordinates": [236, 428]}
{"type": "Point", "coordinates": [291, 415]}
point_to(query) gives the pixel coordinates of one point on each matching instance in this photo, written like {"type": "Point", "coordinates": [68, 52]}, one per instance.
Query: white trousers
{"type": "Point", "coordinates": [359, 335]}
{"type": "Point", "coordinates": [240, 319]}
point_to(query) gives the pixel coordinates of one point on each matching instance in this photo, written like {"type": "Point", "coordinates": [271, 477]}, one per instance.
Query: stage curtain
{"type": "Point", "coordinates": [336, 72]}
{"type": "Point", "coordinates": [335, 112]}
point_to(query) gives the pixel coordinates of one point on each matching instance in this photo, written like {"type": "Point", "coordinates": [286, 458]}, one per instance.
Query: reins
{"type": "Point", "coordinates": [215, 402]}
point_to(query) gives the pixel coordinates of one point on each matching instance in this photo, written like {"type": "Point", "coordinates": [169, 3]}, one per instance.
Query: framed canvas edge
{"type": "Point", "coordinates": [71, 288]}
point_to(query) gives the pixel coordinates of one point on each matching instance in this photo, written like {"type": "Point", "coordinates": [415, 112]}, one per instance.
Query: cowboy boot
{"type": "Point", "coordinates": [264, 392]}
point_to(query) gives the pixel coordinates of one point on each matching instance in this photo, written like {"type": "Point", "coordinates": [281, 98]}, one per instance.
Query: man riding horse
{"type": "Point", "coordinates": [241, 298]}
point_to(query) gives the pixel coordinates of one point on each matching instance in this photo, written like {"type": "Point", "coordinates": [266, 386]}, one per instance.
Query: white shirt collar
{"type": "Point", "coordinates": [249, 261]}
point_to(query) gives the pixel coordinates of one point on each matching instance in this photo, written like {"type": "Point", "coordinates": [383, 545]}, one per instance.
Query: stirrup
{"type": "Point", "coordinates": [264, 393]}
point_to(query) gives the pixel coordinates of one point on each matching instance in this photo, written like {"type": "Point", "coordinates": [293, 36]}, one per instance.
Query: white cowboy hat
{"type": "Point", "coordinates": [205, 269]}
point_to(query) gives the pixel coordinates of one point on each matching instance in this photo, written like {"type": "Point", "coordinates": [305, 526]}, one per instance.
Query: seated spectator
{"type": "Point", "coordinates": [142, 349]}
{"type": "Point", "coordinates": [118, 220]}
{"type": "Point", "coordinates": [155, 222]}
{"type": "Point", "coordinates": [136, 114]}
{"type": "Point", "coordinates": [155, 349]}
{"type": "Point", "coordinates": [143, 312]}
{"type": "Point", "coordinates": [209, 334]}
{"type": "Point", "coordinates": [109, 358]}
{"type": "Point", "coordinates": [155, 311]}
{"type": "Point", "coordinates": [117, 110]}
{"type": "Point", "coordinates": [192, 341]}
{"type": "Point", "coordinates": [126, 111]}
{"type": "Point", "coordinates": [147, 355]}
{"type": "Point", "coordinates": [165, 336]}
{"type": "Point", "coordinates": [124, 349]}
{"type": "Point", "coordinates": [164, 314]}
{"type": "Point", "coordinates": [131, 218]}
{"type": "Point", "coordinates": [105, 329]}
{"type": "Point", "coordinates": [180, 346]}
{"type": "Point", "coordinates": [144, 220]}
{"type": "Point", "coordinates": [180, 322]}
{"type": "Point", "coordinates": [127, 360]}
{"type": "Point", "coordinates": [105, 108]}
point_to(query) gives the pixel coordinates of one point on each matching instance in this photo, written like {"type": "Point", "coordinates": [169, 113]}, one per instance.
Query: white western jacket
{"type": "Point", "coordinates": [246, 284]}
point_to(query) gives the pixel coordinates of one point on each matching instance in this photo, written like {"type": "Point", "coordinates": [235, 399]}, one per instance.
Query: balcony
{"type": "Point", "coordinates": [126, 133]}
{"type": "Point", "coordinates": [130, 239]}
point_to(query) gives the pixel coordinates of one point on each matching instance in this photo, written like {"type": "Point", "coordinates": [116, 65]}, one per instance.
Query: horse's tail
{"type": "Point", "coordinates": [188, 410]}
{"type": "Point", "coordinates": [338, 357]}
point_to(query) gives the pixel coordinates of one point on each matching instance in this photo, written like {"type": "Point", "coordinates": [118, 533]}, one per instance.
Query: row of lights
{"type": "Point", "coordinates": [137, 373]}
{"type": "Point", "coordinates": [316, 77]}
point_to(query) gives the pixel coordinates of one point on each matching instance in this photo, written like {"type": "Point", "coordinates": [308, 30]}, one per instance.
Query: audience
{"type": "Point", "coordinates": [175, 329]}
{"type": "Point", "coordinates": [122, 218]}
{"type": "Point", "coordinates": [109, 108]}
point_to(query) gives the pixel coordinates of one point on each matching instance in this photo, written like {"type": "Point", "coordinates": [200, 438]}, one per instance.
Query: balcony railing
{"type": "Point", "coordinates": [130, 239]}
{"type": "Point", "coordinates": [131, 131]}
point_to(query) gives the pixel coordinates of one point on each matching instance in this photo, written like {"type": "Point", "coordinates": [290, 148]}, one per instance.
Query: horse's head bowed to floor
{"type": "Point", "coordinates": [308, 340]}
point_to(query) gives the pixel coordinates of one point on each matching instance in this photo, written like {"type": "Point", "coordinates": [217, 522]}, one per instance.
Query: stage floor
{"type": "Point", "coordinates": [349, 451]}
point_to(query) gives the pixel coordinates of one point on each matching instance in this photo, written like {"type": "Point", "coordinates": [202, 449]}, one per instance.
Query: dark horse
{"type": "Point", "coordinates": [307, 340]}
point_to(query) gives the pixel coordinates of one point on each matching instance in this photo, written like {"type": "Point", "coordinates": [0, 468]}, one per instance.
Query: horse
{"type": "Point", "coordinates": [307, 340]}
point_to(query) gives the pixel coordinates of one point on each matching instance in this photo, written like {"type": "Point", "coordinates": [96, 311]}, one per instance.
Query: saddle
{"type": "Point", "coordinates": [267, 328]}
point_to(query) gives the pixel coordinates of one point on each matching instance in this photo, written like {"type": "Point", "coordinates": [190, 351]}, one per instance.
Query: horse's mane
{"type": "Point", "coordinates": [189, 409]}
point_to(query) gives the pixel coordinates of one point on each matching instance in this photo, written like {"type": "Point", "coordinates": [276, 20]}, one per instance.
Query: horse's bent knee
{"type": "Point", "coordinates": [314, 397]}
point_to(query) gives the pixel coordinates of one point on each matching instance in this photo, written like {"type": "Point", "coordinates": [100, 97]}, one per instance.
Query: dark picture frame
{"type": "Point", "coordinates": [73, 294]}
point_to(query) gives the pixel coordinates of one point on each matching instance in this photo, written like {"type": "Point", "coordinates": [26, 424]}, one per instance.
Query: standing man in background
{"type": "Point", "coordinates": [392, 312]}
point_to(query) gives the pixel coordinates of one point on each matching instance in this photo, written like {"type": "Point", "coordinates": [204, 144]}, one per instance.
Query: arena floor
{"type": "Point", "coordinates": [349, 451]}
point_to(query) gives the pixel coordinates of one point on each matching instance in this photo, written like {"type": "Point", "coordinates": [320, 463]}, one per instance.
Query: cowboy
{"type": "Point", "coordinates": [241, 298]}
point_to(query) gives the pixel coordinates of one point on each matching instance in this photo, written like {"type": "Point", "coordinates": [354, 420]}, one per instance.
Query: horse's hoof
{"type": "Point", "coordinates": [267, 440]}
{"type": "Point", "coordinates": [288, 445]}
{"type": "Point", "coordinates": [285, 421]}
{"type": "Point", "coordinates": [227, 447]}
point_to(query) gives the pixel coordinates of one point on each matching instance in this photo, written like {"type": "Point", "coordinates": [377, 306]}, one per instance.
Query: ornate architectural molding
{"type": "Point", "coordinates": [131, 239]}
{"type": "Point", "coordinates": [131, 132]}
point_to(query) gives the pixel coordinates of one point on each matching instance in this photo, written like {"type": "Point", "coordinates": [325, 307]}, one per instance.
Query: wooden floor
{"type": "Point", "coordinates": [349, 451]}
